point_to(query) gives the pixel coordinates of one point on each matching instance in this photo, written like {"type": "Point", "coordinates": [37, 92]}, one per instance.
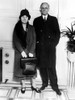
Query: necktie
{"type": "Point", "coordinates": [45, 18]}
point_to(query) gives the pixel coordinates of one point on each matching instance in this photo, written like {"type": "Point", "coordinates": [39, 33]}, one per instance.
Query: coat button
{"type": "Point", "coordinates": [40, 30]}
{"type": "Point", "coordinates": [48, 36]}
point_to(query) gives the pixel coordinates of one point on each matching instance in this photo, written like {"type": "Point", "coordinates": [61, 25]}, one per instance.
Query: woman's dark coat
{"type": "Point", "coordinates": [22, 42]}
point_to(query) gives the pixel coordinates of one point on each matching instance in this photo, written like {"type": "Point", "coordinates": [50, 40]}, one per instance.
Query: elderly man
{"type": "Point", "coordinates": [47, 38]}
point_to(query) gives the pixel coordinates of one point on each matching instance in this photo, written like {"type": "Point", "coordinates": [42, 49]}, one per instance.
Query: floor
{"type": "Point", "coordinates": [7, 92]}
{"type": "Point", "coordinates": [12, 91]}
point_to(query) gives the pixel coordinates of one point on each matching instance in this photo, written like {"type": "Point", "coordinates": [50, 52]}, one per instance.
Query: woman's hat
{"type": "Point", "coordinates": [24, 12]}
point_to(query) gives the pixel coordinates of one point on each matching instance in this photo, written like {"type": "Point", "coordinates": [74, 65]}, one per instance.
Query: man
{"type": "Point", "coordinates": [47, 38]}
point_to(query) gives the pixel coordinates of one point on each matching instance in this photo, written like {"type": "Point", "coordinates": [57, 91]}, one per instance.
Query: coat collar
{"type": "Point", "coordinates": [47, 17]}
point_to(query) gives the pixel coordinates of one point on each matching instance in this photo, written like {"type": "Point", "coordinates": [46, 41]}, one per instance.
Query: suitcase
{"type": "Point", "coordinates": [28, 66]}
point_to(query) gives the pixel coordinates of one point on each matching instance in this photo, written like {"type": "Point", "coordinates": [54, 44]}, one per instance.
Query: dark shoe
{"type": "Point", "coordinates": [39, 91]}
{"type": "Point", "coordinates": [56, 89]}
{"type": "Point", "coordinates": [34, 89]}
{"type": "Point", "coordinates": [42, 88]}
{"type": "Point", "coordinates": [23, 90]}
{"type": "Point", "coordinates": [58, 92]}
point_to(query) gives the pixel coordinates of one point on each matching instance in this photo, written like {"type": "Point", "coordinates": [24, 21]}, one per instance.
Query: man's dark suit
{"type": "Point", "coordinates": [47, 38]}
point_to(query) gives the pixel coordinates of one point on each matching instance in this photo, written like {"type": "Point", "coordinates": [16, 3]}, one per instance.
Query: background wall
{"type": "Point", "coordinates": [66, 13]}
{"type": "Point", "coordinates": [64, 10]}
{"type": "Point", "coordinates": [10, 10]}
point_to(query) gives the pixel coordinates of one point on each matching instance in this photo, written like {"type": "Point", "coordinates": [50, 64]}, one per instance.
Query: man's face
{"type": "Point", "coordinates": [44, 9]}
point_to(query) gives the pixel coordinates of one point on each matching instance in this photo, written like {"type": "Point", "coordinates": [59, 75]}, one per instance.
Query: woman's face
{"type": "Point", "coordinates": [24, 19]}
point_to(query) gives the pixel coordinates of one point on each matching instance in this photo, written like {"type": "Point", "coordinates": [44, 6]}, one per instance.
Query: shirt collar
{"type": "Point", "coordinates": [46, 16]}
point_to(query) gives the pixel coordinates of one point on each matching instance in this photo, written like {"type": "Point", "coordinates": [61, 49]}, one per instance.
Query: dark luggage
{"type": "Point", "coordinates": [28, 66]}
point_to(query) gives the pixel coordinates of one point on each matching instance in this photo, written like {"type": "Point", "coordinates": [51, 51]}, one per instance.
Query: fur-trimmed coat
{"type": "Point", "coordinates": [22, 42]}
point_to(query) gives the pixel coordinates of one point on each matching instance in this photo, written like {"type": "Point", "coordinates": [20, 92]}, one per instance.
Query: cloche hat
{"type": "Point", "coordinates": [24, 12]}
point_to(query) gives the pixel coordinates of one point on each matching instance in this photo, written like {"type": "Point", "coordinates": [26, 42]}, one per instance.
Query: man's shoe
{"type": "Point", "coordinates": [58, 92]}
{"type": "Point", "coordinates": [56, 89]}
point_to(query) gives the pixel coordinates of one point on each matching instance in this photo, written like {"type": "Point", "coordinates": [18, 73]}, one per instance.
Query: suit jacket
{"type": "Point", "coordinates": [47, 32]}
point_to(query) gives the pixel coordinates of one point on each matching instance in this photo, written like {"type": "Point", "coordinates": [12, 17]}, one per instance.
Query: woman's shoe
{"type": "Point", "coordinates": [34, 89]}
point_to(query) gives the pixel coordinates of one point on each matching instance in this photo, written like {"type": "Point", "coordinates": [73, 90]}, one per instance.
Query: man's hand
{"type": "Point", "coordinates": [23, 54]}
{"type": "Point", "coordinates": [31, 55]}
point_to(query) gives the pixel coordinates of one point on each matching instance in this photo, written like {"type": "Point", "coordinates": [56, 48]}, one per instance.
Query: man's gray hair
{"type": "Point", "coordinates": [44, 3]}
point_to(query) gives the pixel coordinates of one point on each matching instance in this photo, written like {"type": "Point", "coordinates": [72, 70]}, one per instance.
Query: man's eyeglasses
{"type": "Point", "coordinates": [44, 8]}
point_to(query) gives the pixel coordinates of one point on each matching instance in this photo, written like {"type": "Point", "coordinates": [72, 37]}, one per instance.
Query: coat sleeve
{"type": "Point", "coordinates": [56, 31]}
{"type": "Point", "coordinates": [16, 42]}
{"type": "Point", "coordinates": [33, 42]}
{"type": "Point", "coordinates": [35, 24]}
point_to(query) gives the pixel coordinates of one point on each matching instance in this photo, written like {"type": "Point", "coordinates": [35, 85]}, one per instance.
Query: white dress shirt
{"type": "Point", "coordinates": [45, 17]}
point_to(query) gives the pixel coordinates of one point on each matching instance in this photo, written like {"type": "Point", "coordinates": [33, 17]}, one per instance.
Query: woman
{"type": "Point", "coordinates": [24, 40]}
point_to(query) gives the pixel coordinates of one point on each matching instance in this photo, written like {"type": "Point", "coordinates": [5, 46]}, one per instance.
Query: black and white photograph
{"type": "Point", "coordinates": [37, 49]}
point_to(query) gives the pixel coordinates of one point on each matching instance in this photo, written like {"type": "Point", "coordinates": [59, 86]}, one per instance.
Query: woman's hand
{"type": "Point", "coordinates": [31, 55]}
{"type": "Point", "coordinates": [23, 54]}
